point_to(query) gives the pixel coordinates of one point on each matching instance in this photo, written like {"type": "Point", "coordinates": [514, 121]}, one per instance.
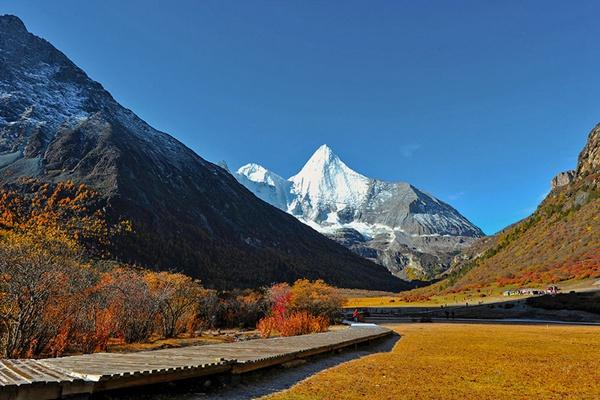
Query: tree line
{"type": "Point", "coordinates": [55, 298]}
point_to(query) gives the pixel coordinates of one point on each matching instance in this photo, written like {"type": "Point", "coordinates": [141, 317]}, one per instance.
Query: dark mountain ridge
{"type": "Point", "coordinates": [57, 124]}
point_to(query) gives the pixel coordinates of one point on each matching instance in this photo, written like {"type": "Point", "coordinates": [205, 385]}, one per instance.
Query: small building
{"type": "Point", "coordinates": [553, 289]}
{"type": "Point", "coordinates": [532, 291]}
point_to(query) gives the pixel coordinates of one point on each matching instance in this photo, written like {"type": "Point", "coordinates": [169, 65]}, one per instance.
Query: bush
{"type": "Point", "coordinates": [52, 301]}
{"type": "Point", "coordinates": [305, 307]}
{"type": "Point", "coordinates": [297, 323]}
{"type": "Point", "coordinates": [301, 323]}
{"type": "Point", "coordinates": [267, 326]}
{"type": "Point", "coordinates": [135, 309]}
{"type": "Point", "coordinates": [39, 281]}
{"type": "Point", "coordinates": [232, 309]}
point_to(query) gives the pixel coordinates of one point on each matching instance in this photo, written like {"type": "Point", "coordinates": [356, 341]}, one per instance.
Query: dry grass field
{"type": "Point", "coordinates": [433, 301]}
{"type": "Point", "coordinates": [491, 294]}
{"type": "Point", "coordinates": [460, 361]}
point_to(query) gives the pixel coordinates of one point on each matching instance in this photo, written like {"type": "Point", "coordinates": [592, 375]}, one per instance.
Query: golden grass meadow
{"type": "Point", "coordinates": [468, 361]}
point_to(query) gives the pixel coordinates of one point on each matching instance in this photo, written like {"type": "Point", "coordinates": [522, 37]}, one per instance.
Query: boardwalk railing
{"type": "Point", "coordinates": [56, 378]}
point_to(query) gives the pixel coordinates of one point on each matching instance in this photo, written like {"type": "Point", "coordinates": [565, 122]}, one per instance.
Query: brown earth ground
{"type": "Point", "coordinates": [195, 339]}
{"type": "Point", "coordinates": [468, 361]}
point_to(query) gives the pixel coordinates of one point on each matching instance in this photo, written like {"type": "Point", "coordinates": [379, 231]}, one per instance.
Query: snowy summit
{"type": "Point", "coordinates": [352, 208]}
{"type": "Point", "coordinates": [325, 183]}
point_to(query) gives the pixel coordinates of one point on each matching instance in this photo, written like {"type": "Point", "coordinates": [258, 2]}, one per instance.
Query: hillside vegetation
{"type": "Point", "coordinates": [560, 241]}
{"type": "Point", "coordinates": [548, 247]}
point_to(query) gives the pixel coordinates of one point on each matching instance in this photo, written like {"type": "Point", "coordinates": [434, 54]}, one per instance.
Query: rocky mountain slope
{"type": "Point", "coordinates": [57, 124]}
{"type": "Point", "coordinates": [559, 241]}
{"type": "Point", "coordinates": [397, 225]}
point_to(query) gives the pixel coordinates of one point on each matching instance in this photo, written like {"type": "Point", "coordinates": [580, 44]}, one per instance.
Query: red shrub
{"type": "Point", "coordinates": [297, 323]}
{"type": "Point", "coordinates": [267, 326]}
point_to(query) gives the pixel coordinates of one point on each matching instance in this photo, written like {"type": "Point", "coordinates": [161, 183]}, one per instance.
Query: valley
{"type": "Point", "coordinates": [133, 267]}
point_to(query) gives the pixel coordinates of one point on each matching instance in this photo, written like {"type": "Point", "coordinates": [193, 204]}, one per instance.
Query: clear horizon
{"type": "Point", "coordinates": [477, 103]}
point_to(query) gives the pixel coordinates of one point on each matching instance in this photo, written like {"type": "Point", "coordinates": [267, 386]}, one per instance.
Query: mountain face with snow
{"type": "Point", "coordinates": [267, 185]}
{"type": "Point", "coordinates": [409, 231]}
{"type": "Point", "coordinates": [188, 214]}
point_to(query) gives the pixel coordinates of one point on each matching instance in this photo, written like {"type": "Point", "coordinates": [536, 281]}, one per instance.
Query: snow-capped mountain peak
{"type": "Point", "coordinates": [258, 173]}
{"type": "Point", "coordinates": [324, 161]}
{"type": "Point", "coordinates": [326, 180]}
{"type": "Point", "coordinates": [395, 223]}
{"type": "Point", "coordinates": [323, 155]}
{"type": "Point", "coordinates": [266, 185]}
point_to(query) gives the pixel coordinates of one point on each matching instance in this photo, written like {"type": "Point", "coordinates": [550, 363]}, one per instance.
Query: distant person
{"type": "Point", "coordinates": [355, 315]}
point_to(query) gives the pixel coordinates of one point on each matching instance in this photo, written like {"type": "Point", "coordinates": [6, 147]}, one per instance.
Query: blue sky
{"type": "Point", "coordinates": [477, 102]}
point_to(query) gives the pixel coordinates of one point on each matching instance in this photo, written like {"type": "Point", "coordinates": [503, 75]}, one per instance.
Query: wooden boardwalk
{"type": "Point", "coordinates": [55, 378]}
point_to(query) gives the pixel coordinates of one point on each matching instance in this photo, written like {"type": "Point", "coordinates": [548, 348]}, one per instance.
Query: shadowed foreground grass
{"type": "Point", "coordinates": [461, 361]}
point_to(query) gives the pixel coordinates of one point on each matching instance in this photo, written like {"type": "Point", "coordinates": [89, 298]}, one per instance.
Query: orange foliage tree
{"type": "Point", "coordinates": [39, 279]}
{"type": "Point", "coordinates": [74, 210]}
{"type": "Point", "coordinates": [176, 297]}
{"type": "Point", "coordinates": [315, 298]}
{"type": "Point", "coordinates": [53, 299]}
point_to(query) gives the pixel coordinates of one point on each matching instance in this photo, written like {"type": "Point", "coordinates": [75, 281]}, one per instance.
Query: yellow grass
{"type": "Point", "coordinates": [452, 299]}
{"type": "Point", "coordinates": [459, 361]}
{"type": "Point", "coordinates": [492, 294]}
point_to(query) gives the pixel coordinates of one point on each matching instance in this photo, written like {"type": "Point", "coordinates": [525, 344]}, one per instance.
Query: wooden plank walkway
{"type": "Point", "coordinates": [55, 378]}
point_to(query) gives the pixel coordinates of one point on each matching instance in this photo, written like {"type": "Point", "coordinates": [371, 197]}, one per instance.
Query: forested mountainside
{"type": "Point", "coordinates": [559, 241]}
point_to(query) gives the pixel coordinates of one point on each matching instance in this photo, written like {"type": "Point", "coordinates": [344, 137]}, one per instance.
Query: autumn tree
{"type": "Point", "coordinates": [134, 307]}
{"type": "Point", "coordinates": [316, 298]}
{"type": "Point", "coordinates": [176, 297]}
{"type": "Point", "coordinates": [232, 309]}
{"type": "Point", "coordinates": [39, 278]}
{"type": "Point", "coordinates": [209, 308]}
{"type": "Point", "coordinates": [73, 209]}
